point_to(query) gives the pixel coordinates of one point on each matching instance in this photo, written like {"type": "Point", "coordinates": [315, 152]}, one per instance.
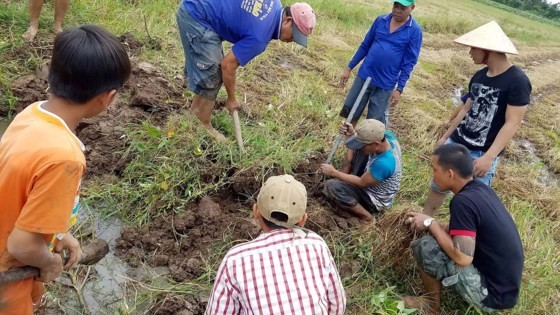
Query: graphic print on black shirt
{"type": "Point", "coordinates": [490, 98]}
{"type": "Point", "coordinates": [479, 119]}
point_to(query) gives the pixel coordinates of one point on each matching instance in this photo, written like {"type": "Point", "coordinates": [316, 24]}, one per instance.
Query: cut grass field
{"type": "Point", "coordinates": [289, 115]}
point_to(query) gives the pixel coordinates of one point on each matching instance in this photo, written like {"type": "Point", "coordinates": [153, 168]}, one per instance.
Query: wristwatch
{"type": "Point", "coordinates": [428, 222]}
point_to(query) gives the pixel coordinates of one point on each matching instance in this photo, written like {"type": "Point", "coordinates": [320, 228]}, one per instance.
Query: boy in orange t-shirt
{"type": "Point", "coordinates": [42, 161]}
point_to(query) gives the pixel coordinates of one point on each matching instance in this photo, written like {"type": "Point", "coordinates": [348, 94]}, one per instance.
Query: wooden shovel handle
{"type": "Point", "coordinates": [91, 254]}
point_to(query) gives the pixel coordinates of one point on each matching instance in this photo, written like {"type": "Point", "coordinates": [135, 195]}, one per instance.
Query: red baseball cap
{"type": "Point", "coordinates": [304, 21]}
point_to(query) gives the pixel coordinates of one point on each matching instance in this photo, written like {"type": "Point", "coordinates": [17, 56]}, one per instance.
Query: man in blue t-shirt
{"type": "Point", "coordinates": [479, 253]}
{"type": "Point", "coordinates": [499, 96]}
{"type": "Point", "coordinates": [391, 49]}
{"type": "Point", "coordinates": [249, 25]}
{"type": "Point", "coordinates": [371, 174]}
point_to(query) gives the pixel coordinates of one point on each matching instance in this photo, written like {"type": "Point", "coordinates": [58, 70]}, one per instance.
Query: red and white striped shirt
{"type": "Point", "coordinates": [280, 272]}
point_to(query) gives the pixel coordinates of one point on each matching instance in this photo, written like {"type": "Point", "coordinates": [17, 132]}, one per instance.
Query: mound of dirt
{"type": "Point", "coordinates": [148, 95]}
{"type": "Point", "coordinates": [185, 241]}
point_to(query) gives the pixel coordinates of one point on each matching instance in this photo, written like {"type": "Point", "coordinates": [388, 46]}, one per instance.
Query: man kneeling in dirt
{"type": "Point", "coordinates": [286, 270]}
{"type": "Point", "coordinates": [371, 174]}
{"type": "Point", "coordinates": [479, 253]}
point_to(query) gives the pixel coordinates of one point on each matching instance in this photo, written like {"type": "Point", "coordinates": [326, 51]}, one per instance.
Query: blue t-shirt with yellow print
{"type": "Point", "coordinates": [248, 24]}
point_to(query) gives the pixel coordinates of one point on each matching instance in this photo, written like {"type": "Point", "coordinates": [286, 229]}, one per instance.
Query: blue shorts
{"type": "Point", "coordinates": [475, 154]}
{"type": "Point", "coordinates": [376, 99]}
{"type": "Point", "coordinates": [203, 55]}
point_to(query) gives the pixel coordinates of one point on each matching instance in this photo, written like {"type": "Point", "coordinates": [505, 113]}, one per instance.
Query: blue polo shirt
{"type": "Point", "coordinates": [248, 24]}
{"type": "Point", "coordinates": [389, 57]}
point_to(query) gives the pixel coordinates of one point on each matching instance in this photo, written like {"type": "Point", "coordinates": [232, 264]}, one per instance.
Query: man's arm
{"type": "Point", "coordinates": [410, 59]}
{"type": "Point", "coordinates": [336, 297]}
{"type": "Point", "coordinates": [229, 67]}
{"type": "Point", "coordinates": [222, 300]}
{"type": "Point", "coordinates": [366, 180]}
{"type": "Point", "coordinates": [31, 249]}
{"type": "Point", "coordinates": [347, 164]}
{"type": "Point", "coordinates": [455, 123]}
{"type": "Point", "coordinates": [514, 117]}
{"type": "Point", "coordinates": [364, 47]}
{"type": "Point", "coordinates": [460, 248]}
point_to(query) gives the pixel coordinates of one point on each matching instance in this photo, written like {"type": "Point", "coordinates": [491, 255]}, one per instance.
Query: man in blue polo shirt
{"type": "Point", "coordinates": [391, 49]}
{"type": "Point", "coordinates": [249, 25]}
{"type": "Point", "coordinates": [371, 175]}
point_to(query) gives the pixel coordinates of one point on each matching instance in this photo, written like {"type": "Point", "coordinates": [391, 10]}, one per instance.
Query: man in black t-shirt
{"type": "Point", "coordinates": [479, 253]}
{"type": "Point", "coordinates": [499, 97]}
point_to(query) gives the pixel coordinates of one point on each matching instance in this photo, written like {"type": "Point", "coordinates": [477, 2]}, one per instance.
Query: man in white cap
{"type": "Point", "coordinates": [371, 175]}
{"type": "Point", "coordinates": [390, 51]}
{"type": "Point", "coordinates": [286, 270]}
{"type": "Point", "coordinates": [249, 26]}
{"type": "Point", "coordinates": [499, 96]}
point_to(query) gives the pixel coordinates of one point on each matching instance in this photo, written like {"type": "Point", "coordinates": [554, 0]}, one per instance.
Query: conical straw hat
{"type": "Point", "coordinates": [489, 36]}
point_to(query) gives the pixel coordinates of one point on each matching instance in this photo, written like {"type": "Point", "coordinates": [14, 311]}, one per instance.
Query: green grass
{"type": "Point", "coordinates": [290, 114]}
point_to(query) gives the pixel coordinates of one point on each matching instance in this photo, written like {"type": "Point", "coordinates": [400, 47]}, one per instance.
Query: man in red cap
{"type": "Point", "coordinates": [249, 25]}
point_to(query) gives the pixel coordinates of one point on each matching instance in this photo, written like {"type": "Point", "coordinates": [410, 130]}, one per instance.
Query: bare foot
{"type": "Point", "coordinates": [57, 29]}
{"type": "Point", "coordinates": [421, 304]}
{"type": "Point", "coordinates": [29, 35]}
{"type": "Point", "coordinates": [216, 134]}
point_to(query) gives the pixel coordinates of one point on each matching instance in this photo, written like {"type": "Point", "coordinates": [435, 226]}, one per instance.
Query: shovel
{"type": "Point", "coordinates": [93, 253]}
{"type": "Point", "coordinates": [349, 118]}
{"type": "Point", "coordinates": [237, 126]}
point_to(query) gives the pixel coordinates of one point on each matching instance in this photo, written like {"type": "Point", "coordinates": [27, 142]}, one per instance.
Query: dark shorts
{"type": "Point", "coordinates": [203, 55]}
{"type": "Point", "coordinates": [347, 195]}
{"type": "Point", "coordinates": [376, 99]}
{"type": "Point", "coordinates": [466, 281]}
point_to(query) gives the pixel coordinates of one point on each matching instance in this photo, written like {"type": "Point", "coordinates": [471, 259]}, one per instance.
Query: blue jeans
{"type": "Point", "coordinates": [376, 98]}
{"type": "Point", "coordinates": [475, 154]}
{"type": "Point", "coordinates": [203, 55]}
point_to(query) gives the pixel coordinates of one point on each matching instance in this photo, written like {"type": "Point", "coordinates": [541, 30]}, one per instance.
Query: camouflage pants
{"type": "Point", "coordinates": [466, 281]}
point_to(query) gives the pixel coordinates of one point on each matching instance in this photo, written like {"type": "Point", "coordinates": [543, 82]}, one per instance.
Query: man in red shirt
{"type": "Point", "coordinates": [287, 269]}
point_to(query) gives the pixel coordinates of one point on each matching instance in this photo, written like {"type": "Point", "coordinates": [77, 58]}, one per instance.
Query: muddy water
{"type": "Point", "coordinates": [105, 290]}
{"type": "Point", "coordinates": [546, 177]}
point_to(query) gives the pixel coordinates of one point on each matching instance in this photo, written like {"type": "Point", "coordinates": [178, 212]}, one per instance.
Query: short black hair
{"type": "Point", "coordinates": [277, 216]}
{"type": "Point", "coordinates": [457, 157]}
{"type": "Point", "coordinates": [87, 60]}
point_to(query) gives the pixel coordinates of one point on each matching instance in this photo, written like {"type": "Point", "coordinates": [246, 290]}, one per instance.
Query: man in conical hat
{"type": "Point", "coordinates": [499, 97]}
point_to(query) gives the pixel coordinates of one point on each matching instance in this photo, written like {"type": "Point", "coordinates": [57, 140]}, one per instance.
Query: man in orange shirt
{"type": "Point", "coordinates": [42, 161]}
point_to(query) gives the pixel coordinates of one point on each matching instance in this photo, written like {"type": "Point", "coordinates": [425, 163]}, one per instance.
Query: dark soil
{"type": "Point", "coordinates": [148, 95]}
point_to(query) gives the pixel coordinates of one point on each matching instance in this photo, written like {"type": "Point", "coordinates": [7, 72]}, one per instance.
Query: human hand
{"type": "Point", "coordinates": [52, 270]}
{"type": "Point", "coordinates": [416, 221]}
{"type": "Point", "coordinates": [344, 77]}
{"type": "Point", "coordinates": [327, 169]}
{"type": "Point", "coordinates": [346, 129]}
{"type": "Point", "coordinates": [69, 243]}
{"type": "Point", "coordinates": [395, 97]}
{"type": "Point", "coordinates": [482, 165]}
{"type": "Point", "coordinates": [232, 104]}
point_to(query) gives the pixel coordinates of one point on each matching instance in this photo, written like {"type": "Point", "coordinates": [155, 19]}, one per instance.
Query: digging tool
{"type": "Point", "coordinates": [237, 126]}
{"type": "Point", "coordinates": [349, 119]}
{"type": "Point", "coordinates": [93, 253]}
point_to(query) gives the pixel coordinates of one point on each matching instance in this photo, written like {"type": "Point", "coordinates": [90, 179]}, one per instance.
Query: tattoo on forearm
{"type": "Point", "coordinates": [465, 244]}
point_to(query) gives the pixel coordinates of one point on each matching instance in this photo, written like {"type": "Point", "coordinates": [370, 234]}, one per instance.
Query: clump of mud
{"type": "Point", "coordinates": [147, 96]}
{"type": "Point", "coordinates": [185, 242]}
